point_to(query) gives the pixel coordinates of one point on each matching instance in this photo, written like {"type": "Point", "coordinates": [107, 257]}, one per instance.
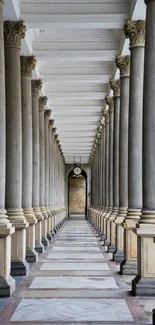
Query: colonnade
{"type": "Point", "coordinates": [124, 215]}
{"type": "Point", "coordinates": [32, 166]}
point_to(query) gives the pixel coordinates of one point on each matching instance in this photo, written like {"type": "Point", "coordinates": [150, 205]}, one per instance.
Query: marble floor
{"type": "Point", "coordinates": [74, 282]}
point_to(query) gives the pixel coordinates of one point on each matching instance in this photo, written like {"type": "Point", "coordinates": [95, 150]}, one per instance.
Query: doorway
{"type": "Point", "coordinates": [77, 198]}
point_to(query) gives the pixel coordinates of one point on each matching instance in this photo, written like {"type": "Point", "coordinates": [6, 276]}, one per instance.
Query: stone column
{"type": "Point", "coordinates": [13, 33]}
{"type": "Point", "coordinates": [135, 30]}
{"type": "Point", "coordinates": [42, 103]}
{"type": "Point", "coordinates": [123, 63]}
{"type": "Point", "coordinates": [54, 176]}
{"type": "Point", "coordinates": [106, 115]}
{"type": "Point", "coordinates": [47, 171]}
{"type": "Point", "coordinates": [110, 103]}
{"type": "Point", "coordinates": [103, 175]}
{"type": "Point", "coordinates": [27, 65]}
{"type": "Point", "coordinates": [144, 283]}
{"type": "Point", "coordinates": [115, 86]}
{"type": "Point", "coordinates": [51, 158]}
{"type": "Point", "coordinates": [36, 86]}
{"type": "Point", "coordinates": [7, 283]}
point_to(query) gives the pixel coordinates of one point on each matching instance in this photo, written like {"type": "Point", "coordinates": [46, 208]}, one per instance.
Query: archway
{"type": "Point", "coordinates": [77, 194]}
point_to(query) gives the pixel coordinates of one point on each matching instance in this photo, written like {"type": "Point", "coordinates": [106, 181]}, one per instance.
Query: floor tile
{"type": "Point", "coordinates": [75, 266]}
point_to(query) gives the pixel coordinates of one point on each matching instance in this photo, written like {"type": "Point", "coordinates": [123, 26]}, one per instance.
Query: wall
{"type": "Point", "coordinates": [77, 194]}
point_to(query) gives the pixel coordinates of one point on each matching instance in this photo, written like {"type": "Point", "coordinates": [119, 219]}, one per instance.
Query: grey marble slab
{"type": "Point", "coordinates": [75, 248]}
{"type": "Point", "coordinates": [81, 243]}
{"type": "Point", "coordinates": [45, 282]}
{"type": "Point", "coordinates": [72, 310]}
{"type": "Point", "coordinates": [76, 255]}
{"type": "Point", "coordinates": [74, 266]}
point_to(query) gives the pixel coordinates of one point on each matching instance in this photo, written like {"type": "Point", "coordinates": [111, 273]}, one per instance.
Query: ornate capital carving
{"type": "Point", "coordinates": [110, 103]}
{"type": "Point", "coordinates": [135, 31]}
{"type": "Point", "coordinates": [42, 103]}
{"type": "Point", "coordinates": [14, 31]}
{"type": "Point", "coordinates": [123, 64]}
{"type": "Point", "coordinates": [36, 86]}
{"type": "Point", "coordinates": [27, 64]}
{"type": "Point", "coordinates": [115, 86]}
{"type": "Point", "coordinates": [47, 113]}
{"type": "Point", "coordinates": [54, 130]}
{"type": "Point", "coordinates": [106, 115]}
{"type": "Point", "coordinates": [51, 122]}
{"type": "Point", "coordinates": [2, 2]}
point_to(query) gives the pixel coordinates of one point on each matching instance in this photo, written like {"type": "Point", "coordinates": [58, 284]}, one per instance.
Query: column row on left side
{"type": "Point", "coordinates": [28, 213]}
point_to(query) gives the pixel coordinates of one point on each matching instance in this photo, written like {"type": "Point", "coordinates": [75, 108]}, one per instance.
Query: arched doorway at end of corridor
{"type": "Point", "coordinates": [77, 194]}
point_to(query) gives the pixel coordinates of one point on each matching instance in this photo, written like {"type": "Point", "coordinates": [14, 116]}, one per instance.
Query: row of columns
{"type": "Point", "coordinates": [125, 219]}
{"type": "Point", "coordinates": [32, 168]}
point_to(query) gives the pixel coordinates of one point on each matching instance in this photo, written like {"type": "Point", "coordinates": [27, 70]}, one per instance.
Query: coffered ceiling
{"type": "Point", "coordinates": [75, 43]}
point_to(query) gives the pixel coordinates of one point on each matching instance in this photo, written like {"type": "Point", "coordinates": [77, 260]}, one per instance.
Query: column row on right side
{"type": "Point", "coordinates": [123, 160]}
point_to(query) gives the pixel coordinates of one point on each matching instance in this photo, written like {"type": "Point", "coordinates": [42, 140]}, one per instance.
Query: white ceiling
{"type": "Point", "coordinates": [75, 43]}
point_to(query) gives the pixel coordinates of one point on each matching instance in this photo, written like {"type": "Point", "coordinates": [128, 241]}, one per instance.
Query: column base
{"type": "Point", "coordinates": [143, 286]}
{"type": "Point", "coordinates": [31, 256]}
{"type": "Point", "coordinates": [118, 256]}
{"type": "Point", "coordinates": [107, 242]}
{"type": "Point", "coordinates": [112, 248]}
{"type": "Point", "coordinates": [7, 286]}
{"type": "Point", "coordinates": [39, 248]}
{"type": "Point", "coordinates": [45, 241]}
{"type": "Point", "coordinates": [128, 267]}
{"type": "Point", "coordinates": [49, 236]}
{"type": "Point", "coordinates": [19, 268]}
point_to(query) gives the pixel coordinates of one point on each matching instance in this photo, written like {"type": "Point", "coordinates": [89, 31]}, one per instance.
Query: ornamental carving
{"type": "Point", "coordinates": [14, 31]}
{"type": "Point", "coordinates": [27, 64]}
{"type": "Point", "coordinates": [135, 31]}
{"type": "Point", "coordinates": [36, 86]}
{"type": "Point", "coordinates": [123, 64]}
{"type": "Point", "coordinates": [42, 102]}
{"type": "Point", "coordinates": [54, 130]}
{"type": "Point", "coordinates": [47, 113]}
{"type": "Point", "coordinates": [115, 86]}
{"type": "Point", "coordinates": [106, 115]}
{"type": "Point", "coordinates": [110, 103]}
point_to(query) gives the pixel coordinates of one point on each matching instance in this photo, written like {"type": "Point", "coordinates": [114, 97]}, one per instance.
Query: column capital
{"type": "Point", "coordinates": [110, 103]}
{"type": "Point", "coordinates": [106, 115]}
{"type": "Point", "coordinates": [54, 130]}
{"type": "Point", "coordinates": [47, 114]}
{"type": "Point", "coordinates": [147, 1]}
{"type": "Point", "coordinates": [14, 32]}
{"type": "Point", "coordinates": [123, 64]}
{"type": "Point", "coordinates": [42, 102]}
{"type": "Point", "coordinates": [36, 86]}
{"type": "Point", "coordinates": [135, 31]}
{"type": "Point", "coordinates": [115, 86]}
{"type": "Point", "coordinates": [51, 124]}
{"type": "Point", "coordinates": [2, 2]}
{"type": "Point", "coordinates": [27, 64]}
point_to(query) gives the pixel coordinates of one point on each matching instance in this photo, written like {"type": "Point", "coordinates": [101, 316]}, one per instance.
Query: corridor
{"type": "Point", "coordinates": [74, 282]}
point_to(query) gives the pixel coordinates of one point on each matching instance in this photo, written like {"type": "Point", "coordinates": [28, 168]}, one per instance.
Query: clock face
{"type": "Point", "coordinates": [77, 170]}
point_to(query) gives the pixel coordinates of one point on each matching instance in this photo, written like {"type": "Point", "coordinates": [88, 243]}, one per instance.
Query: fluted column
{"type": "Point", "coordinates": [144, 283]}
{"type": "Point", "coordinates": [115, 86]}
{"type": "Point", "coordinates": [36, 86]}
{"type": "Point", "coordinates": [123, 63]}
{"type": "Point", "coordinates": [42, 103]}
{"type": "Point", "coordinates": [27, 65]}
{"type": "Point", "coordinates": [7, 283]}
{"type": "Point", "coordinates": [135, 30]}
{"type": "Point", "coordinates": [47, 114]}
{"type": "Point", "coordinates": [106, 115]}
{"type": "Point", "coordinates": [13, 33]}
{"type": "Point", "coordinates": [110, 103]}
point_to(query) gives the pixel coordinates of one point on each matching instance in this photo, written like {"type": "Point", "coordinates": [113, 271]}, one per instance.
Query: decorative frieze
{"type": "Point", "coordinates": [14, 32]}
{"type": "Point", "coordinates": [115, 86]}
{"type": "Point", "coordinates": [135, 31]}
{"type": "Point", "coordinates": [123, 64]}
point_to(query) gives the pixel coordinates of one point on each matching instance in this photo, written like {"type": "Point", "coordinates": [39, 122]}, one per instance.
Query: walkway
{"type": "Point", "coordinates": [74, 282]}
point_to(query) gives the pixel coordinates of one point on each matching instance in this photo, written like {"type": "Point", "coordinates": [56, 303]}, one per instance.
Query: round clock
{"type": "Point", "coordinates": [77, 170]}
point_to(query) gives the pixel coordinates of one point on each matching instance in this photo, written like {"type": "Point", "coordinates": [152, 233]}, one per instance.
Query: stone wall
{"type": "Point", "coordinates": [77, 195]}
